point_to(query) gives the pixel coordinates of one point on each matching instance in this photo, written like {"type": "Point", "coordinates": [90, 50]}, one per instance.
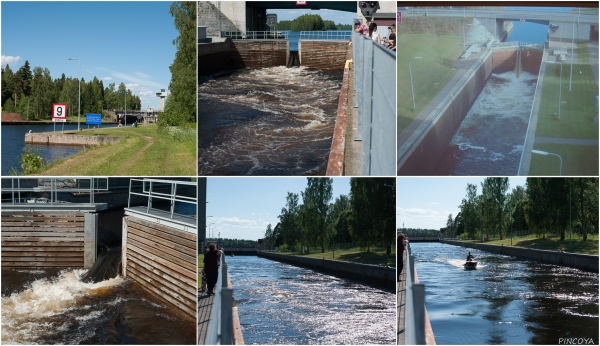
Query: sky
{"type": "Point", "coordinates": [427, 202]}
{"type": "Point", "coordinates": [129, 42]}
{"type": "Point", "coordinates": [241, 208]}
{"type": "Point", "coordinates": [336, 16]}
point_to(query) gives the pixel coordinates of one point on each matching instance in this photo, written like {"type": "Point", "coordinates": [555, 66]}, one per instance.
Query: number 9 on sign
{"type": "Point", "coordinates": [59, 112]}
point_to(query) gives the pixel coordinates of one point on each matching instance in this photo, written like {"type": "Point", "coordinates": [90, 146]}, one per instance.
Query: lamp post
{"type": "Point", "coordinates": [540, 152]}
{"type": "Point", "coordinates": [559, 85]}
{"type": "Point", "coordinates": [412, 88]}
{"type": "Point", "coordinates": [79, 82]}
{"type": "Point", "coordinates": [212, 223]}
{"type": "Point", "coordinates": [572, 55]}
{"type": "Point", "coordinates": [465, 36]}
{"type": "Point", "coordinates": [125, 106]}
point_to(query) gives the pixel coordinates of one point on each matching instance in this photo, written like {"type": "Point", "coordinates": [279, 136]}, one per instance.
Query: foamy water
{"type": "Point", "coordinates": [271, 121]}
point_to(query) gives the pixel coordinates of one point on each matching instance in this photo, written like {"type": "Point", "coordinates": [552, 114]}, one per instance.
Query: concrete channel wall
{"type": "Point", "coordinates": [64, 139]}
{"type": "Point", "coordinates": [214, 57]}
{"type": "Point", "coordinates": [322, 54]}
{"type": "Point", "coordinates": [259, 53]}
{"type": "Point", "coordinates": [49, 239]}
{"type": "Point", "coordinates": [370, 274]}
{"type": "Point", "coordinates": [163, 260]}
{"type": "Point", "coordinates": [584, 262]}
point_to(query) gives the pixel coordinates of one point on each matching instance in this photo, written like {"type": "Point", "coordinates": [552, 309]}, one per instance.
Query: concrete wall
{"type": "Point", "coordinates": [63, 139]}
{"type": "Point", "coordinates": [370, 274]}
{"type": "Point", "coordinates": [214, 57]}
{"type": "Point", "coordinates": [259, 53]}
{"type": "Point", "coordinates": [323, 55]}
{"type": "Point", "coordinates": [428, 151]}
{"type": "Point", "coordinates": [221, 15]}
{"type": "Point", "coordinates": [49, 239]}
{"type": "Point", "coordinates": [585, 262]}
{"type": "Point", "coordinates": [569, 31]}
{"type": "Point", "coordinates": [163, 260]}
{"type": "Point", "coordinates": [504, 59]}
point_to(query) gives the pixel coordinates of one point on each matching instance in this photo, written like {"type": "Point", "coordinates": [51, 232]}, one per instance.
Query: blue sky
{"type": "Point", "coordinates": [336, 16]}
{"type": "Point", "coordinates": [243, 207]}
{"type": "Point", "coordinates": [129, 42]}
{"type": "Point", "coordinates": [427, 202]}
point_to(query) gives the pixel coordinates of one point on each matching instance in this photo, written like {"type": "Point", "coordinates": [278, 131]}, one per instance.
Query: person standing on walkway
{"type": "Point", "coordinates": [400, 246]}
{"type": "Point", "coordinates": [373, 33]}
{"type": "Point", "coordinates": [211, 267]}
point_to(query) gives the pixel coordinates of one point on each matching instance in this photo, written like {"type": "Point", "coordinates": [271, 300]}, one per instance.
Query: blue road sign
{"type": "Point", "coordinates": [93, 119]}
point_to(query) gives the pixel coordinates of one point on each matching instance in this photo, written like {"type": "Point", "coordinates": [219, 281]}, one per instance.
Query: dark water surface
{"type": "Point", "coordinates": [13, 142]}
{"type": "Point", "coordinates": [506, 300]}
{"type": "Point", "coordinates": [283, 304]}
{"type": "Point", "coordinates": [270, 121]}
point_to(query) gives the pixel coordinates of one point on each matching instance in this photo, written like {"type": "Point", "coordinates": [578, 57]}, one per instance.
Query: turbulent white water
{"type": "Point", "coordinates": [51, 305]}
{"type": "Point", "coordinates": [271, 121]}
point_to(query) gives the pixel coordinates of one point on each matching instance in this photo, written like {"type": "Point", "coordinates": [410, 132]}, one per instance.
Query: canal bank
{"type": "Point", "coordinates": [579, 261]}
{"type": "Point", "coordinates": [49, 138]}
{"type": "Point", "coordinates": [370, 274]}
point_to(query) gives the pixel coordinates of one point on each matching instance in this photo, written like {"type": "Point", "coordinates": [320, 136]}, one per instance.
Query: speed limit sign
{"type": "Point", "coordinates": [59, 112]}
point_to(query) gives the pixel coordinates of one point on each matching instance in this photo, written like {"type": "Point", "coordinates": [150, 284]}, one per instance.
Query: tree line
{"type": "Point", "coordinates": [544, 206]}
{"type": "Point", "coordinates": [33, 93]}
{"type": "Point", "coordinates": [365, 217]}
{"type": "Point", "coordinates": [311, 22]}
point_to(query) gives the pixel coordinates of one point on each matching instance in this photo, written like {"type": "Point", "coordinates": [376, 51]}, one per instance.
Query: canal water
{"type": "Point", "coordinates": [490, 139]}
{"type": "Point", "coordinates": [282, 304]}
{"type": "Point", "coordinates": [505, 300]}
{"type": "Point", "coordinates": [13, 142]}
{"type": "Point", "coordinates": [269, 121]}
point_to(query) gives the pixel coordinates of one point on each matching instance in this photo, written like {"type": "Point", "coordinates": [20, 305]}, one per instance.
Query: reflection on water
{"type": "Point", "coordinates": [506, 300]}
{"type": "Point", "coordinates": [270, 121]}
{"type": "Point", "coordinates": [282, 304]}
{"type": "Point", "coordinates": [490, 139]}
{"type": "Point", "coordinates": [48, 306]}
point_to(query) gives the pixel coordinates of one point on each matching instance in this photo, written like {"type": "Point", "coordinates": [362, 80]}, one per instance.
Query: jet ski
{"type": "Point", "coordinates": [470, 264]}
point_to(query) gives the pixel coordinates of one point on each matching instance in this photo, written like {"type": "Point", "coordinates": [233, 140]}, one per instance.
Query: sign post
{"type": "Point", "coordinates": [94, 119]}
{"type": "Point", "coordinates": [59, 114]}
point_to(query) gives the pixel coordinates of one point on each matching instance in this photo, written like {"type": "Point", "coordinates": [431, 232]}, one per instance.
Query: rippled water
{"type": "Point", "coordinates": [282, 304]}
{"type": "Point", "coordinates": [490, 139]}
{"type": "Point", "coordinates": [270, 121]}
{"type": "Point", "coordinates": [506, 300]}
{"type": "Point", "coordinates": [51, 306]}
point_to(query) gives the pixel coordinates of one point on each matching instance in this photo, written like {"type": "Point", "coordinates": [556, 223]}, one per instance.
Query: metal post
{"type": "Point", "coordinates": [411, 84]}
{"type": "Point", "coordinates": [79, 102]}
{"type": "Point", "coordinates": [572, 54]}
{"type": "Point", "coordinates": [570, 215]}
{"type": "Point", "coordinates": [559, 90]}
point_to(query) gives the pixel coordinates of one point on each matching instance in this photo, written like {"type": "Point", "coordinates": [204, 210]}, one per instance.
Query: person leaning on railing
{"type": "Point", "coordinates": [400, 246]}
{"type": "Point", "coordinates": [211, 267]}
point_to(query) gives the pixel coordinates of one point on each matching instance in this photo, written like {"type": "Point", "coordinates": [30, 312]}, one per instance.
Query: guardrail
{"type": "Point", "coordinates": [414, 309]}
{"type": "Point", "coordinates": [220, 326]}
{"type": "Point", "coordinates": [256, 35]}
{"type": "Point", "coordinates": [149, 189]}
{"type": "Point", "coordinates": [326, 35]}
{"type": "Point", "coordinates": [53, 186]}
{"type": "Point", "coordinates": [375, 86]}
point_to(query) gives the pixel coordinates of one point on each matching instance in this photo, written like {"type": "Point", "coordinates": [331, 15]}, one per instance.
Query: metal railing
{"type": "Point", "coordinates": [150, 188]}
{"type": "Point", "coordinates": [326, 35]}
{"type": "Point", "coordinates": [256, 35]}
{"type": "Point", "coordinates": [375, 85]}
{"type": "Point", "coordinates": [220, 325]}
{"type": "Point", "coordinates": [414, 308]}
{"type": "Point", "coordinates": [54, 186]}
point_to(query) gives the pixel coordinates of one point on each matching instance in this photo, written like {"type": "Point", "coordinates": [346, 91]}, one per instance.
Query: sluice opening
{"type": "Point", "coordinates": [294, 59]}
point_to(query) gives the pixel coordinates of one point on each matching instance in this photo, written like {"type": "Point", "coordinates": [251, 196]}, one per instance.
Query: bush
{"type": "Point", "coordinates": [31, 161]}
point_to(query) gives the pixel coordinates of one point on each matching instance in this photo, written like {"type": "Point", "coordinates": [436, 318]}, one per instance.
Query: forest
{"type": "Point", "coordinates": [366, 217]}
{"type": "Point", "coordinates": [32, 93]}
{"type": "Point", "coordinates": [311, 22]}
{"type": "Point", "coordinates": [544, 206]}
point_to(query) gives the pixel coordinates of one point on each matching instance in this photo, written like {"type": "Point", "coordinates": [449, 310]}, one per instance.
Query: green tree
{"type": "Point", "coordinates": [7, 85]}
{"type": "Point", "coordinates": [289, 222]}
{"type": "Point", "coordinates": [22, 82]}
{"type": "Point", "coordinates": [316, 197]}
{"type": "Point", "coordinates": [548, 205]}
{"type": "Point", "coordinates": [585, 202]}
{"type": "Point", "coordinates": [180, 106]}
{"type": "Point", "coordinates": [41, 93]}
{"type": "Point", "coordinates": [494, 196]}
{"type": "Point", "coordinates": [468, 210]}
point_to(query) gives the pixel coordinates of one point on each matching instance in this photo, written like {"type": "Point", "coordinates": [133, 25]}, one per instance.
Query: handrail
{"type": "Point", "coordinates": [326, 35]}
{"type": "Point", "coordinates": [414, 310]}
{"type": "Point", "coordinates": [220, 325]}
{"type": "Point", "coordinates": [54, 186]}
{"type": "Point", "coordinates": [148, 190]}
{"type": "Point", "coordinates": [256, 35]}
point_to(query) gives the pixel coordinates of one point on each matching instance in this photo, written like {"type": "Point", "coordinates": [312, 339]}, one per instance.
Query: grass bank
{"type": "Point", "coordinates": [576, 160]}
{"type": "Point", "coordinates": [377, 257]}
{"type": "Point", "coordinates": [142, 151]}
{"type": "Point", "coordinates": [430, 73]}
{"type": "Point", "coordinates": [200, 267]}
{"type": "Point", "coordinates": [552, 243]}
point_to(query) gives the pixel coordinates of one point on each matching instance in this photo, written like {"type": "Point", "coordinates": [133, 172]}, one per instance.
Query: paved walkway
{"type": "Point", "coordinates": [572, 141]}
{"type": "Point", "coordinates": [353, 150]}
{"type": "Point", "coordinates": [205, 304]}
{"type": "Point", "coordinates": [401, 298]}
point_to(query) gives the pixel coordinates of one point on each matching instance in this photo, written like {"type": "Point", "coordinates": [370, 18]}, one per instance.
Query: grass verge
{"type": "Point", "coordinates": [577, 160]}
{"type": "Point", "coordinates": [142, 151]}
{"type": "Point", "coordinates": [553, 243]}
{"type": "Point", "coordinates": [378, 257]}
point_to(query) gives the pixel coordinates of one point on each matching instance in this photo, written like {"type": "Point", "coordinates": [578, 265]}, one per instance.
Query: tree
{"type": "Point", "coordinates": [316, 197]}
{"type": "Point", "coordinates": [289, 222]}
{"type": "Point", "coordinates": [548, 205]}
{"type": "Point", "coordinates": [180, 107]}
{"type": "Point", "coordinates": [494, 196]}
{"type": "Point", "coordinates": [450, 226]}
{"type": "Point", "coordinates": [340, 214]}
{"type": "Point", "coordinates": [585, 201]}
{"type": "Point", "coordinates": [41, 94]}
{"type": "Point", "coordinates": [22, 82]}
{"type": "Point", "coordinates": [468, 211]}
{"type": "Point", "coordinates": [269, 239]}
{"type": "Point", "coordinates": [7, 85]}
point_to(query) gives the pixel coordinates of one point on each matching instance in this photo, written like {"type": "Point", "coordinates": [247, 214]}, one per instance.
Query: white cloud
{"type": "Point", "coordinates": [435, 203]}
{"type": "Point", "coordinates": [142, 75]}
{"type": "Point", "coordinates": [9, 60]}
{"type": "Point", "coordinates": [106, 78]}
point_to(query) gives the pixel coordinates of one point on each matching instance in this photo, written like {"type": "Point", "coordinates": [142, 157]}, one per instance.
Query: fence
{"type": "Point", "coordinates": [414, 309]}
{"type": "Point", "coordinates": [375, 86]}
{"type": "Point", "coordinates": [256, 35]}
{"type": "Point", "coordinates": [26, 186]}
{"type": "Point", "coordinates": [220, 326]}
{"type": "Point", "coordinates": [343, 35]}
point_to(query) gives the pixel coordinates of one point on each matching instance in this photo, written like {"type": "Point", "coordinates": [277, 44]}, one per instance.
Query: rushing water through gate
{"type": "Point", "coordinates": [282, 304]}
{"type": "Point", "coordinates": [269, 121]}
{"type": "Point", "coordinates": [490, 139]}
{"type": "Point", "coordinates": [505, 300]}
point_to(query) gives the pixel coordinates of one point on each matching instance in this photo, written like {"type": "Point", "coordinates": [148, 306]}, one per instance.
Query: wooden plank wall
{"type": "Point", "coordinates": [163, 260]}
{"type": "Point", "coordinates": [323, 55]}
{"type": "Point", "coordinates": [259, 53]}
{"type": "Point", "coordinates": [43, 239]}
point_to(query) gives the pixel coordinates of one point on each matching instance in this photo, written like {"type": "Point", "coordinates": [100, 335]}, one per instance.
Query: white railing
{"type": "Point", "coordinates": [256, 35]}
{"type": "Point", "coordinates": [151, 189]}
{"type": "Point", "coordinates": [220, 325]}
{"type": "Point", "coordinates": [16, 186]}
{"type": "Point", "coordinates": [414, 308]}
{"type": "Point", "coordinates": [343, 35]}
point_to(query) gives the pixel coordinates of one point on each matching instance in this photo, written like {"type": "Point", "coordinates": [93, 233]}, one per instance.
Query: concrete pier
{"type": "Point", "coordinates": [49, 138]}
